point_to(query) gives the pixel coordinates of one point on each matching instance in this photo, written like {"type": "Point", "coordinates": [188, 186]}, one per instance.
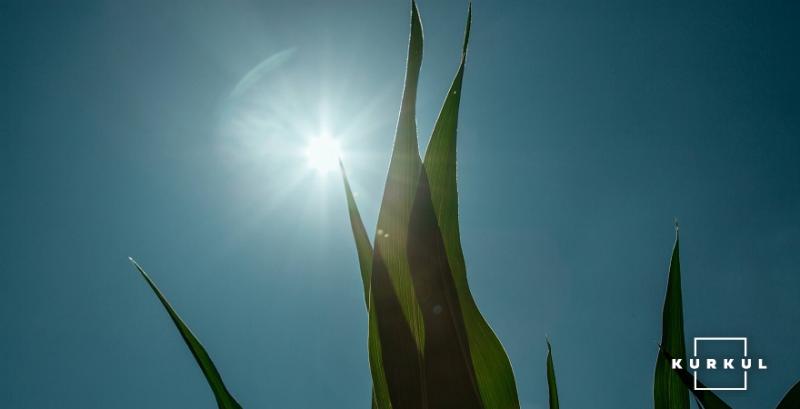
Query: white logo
{"type": "Point", "coordinates": [726, 364]}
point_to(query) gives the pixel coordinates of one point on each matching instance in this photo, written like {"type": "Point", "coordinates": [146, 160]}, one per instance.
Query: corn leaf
{"type": "Point", "coordinates": [672, 387]}
{"type": "Point", "coordinates": [423, 319]}
{"type": "Point", "coordinates": [380, 386]}
{"type": "Point", "coordinates": [224, 399]}
{"type": "Point", "coordinates": [490, 362]}
{"type": "Point", "coordinates": [792, 398]}
{"type": "Point", "coordinates": [668, 391]}
{"type": "Point", "coordinates": [380, 393]}
{"type": "Point", "coordinates": [551, 379]}
{"type": "Point", "coordinates": [705, 398]}
{"type": "Point", "coordinates": [363, 245]}
{"type": "Point", "coordinates": [447, 366]}
{"type": "Point", "coordinates": [396, 334]}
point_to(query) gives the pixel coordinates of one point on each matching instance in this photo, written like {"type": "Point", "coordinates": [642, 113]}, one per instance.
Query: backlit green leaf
{"type": "Point", "coordinates": [363, 245]}
{"type": "Point", "coordinates": [448, 374]}
{"type": "Point", "coordinates": [490, 362]}
{"type": "Point", "coordinates": [380, 393]}
{"type": "Point", "coordinates": [396, 334]}
{"type": "Point", "coordinates": [224, 399]}
{"type": "Point", "coordinates": [428, 341]}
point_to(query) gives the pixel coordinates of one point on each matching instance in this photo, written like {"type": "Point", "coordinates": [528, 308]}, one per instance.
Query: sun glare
{"type": "Point", "coordinates": [323, 153]}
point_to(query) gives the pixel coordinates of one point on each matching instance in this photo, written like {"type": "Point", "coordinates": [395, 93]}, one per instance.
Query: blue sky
{"type": "Point", "coordinates": [585, 128]}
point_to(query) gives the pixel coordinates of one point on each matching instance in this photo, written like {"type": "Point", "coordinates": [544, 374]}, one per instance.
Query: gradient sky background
{"type": "Point", "coordinates": [586, 127]}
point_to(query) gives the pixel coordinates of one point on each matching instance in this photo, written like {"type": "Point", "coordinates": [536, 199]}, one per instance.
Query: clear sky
{"type": "Point", "coordinates": [174, 133]}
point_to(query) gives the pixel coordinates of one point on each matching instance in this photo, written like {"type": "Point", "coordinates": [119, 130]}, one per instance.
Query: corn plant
{"type": "Point", "coordinates": [429, 346]}
{"type": "Point", "coordinates": [671, 387]}
{"type": "Point", "coordinates": [224, 399]}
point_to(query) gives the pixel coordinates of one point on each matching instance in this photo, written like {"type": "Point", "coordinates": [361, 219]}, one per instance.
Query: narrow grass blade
{"type": "Point", "coordinates": [380, 385]}
{"type": "Point", "coordinates": [707, 399]}
{"type": "Point", "coordinates": [551, 379]}
{"type": "Point", "coordinates": [792, 398]}
{"type": "Point", "coordinates": [224, 399]}
{"type": "Point", "coordinates": [380, 392]}
{"type": "Point", "coordinates": [668, 391]}
{"type": "Point", "coordinates": [493, 372]}
{"type": "Point", "coordinates": [363, 245]}
{"type": "Point", "coordinates": [395, 319]}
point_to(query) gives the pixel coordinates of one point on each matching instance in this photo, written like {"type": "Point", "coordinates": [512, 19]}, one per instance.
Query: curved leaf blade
{"type": "Point", "coordinates": [493, 371]}
{"type": "Point", "coordinates": [792, 398]}
{"type": "Point", "coordinates": [396, 334]}
{"type": "Point", "coordinates": [668, 390]}
{"type": "Point", "coordinates": [380, 392]}
{"type": "Point", "coordinates": [224, 399]}
{"type": "Point", "coordinates": [706, 398]}
{"type": "Point", "coordinates": [363, 244]}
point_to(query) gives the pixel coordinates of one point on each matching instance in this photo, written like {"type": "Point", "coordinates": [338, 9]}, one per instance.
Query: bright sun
{"type": "Point", "coordinates": [323, 153]}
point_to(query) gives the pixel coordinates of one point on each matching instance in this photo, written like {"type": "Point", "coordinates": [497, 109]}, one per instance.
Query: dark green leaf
{"type": "Point", "coordinates": [668, 392]}
{"type": "Point", "coordinates": [380, 386]}
{"type": "Point", "coordinates": [224, 398]}
{"type": "Point", "coordinates": [423, 320]}
{"type": "Point", "coordinates": [380, 393]}
{"type": "Point", "coordinates": [396, 333]}
{"type": "Point", "coordinates": [706, 398]}
{"type": "Point", "coordinates": [448, 373]}
{"type": "Point", "coordinates": [792, 398]}
{"type": "Point", "coordinates": [551, 379]}
{"type": "Point", "coordinates": [363, 245]}
{"type": "Point", "coordinates": [490, 362]}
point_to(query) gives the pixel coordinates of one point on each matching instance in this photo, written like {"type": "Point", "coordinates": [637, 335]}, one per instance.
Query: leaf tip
{"type": "Point", "coordinates": [138, 268]}
{"type": "Point", "coordinates": [467, 30]}
{"type": "Point", "coordinates": [677, 227]}
{"type": "Point", "coordinates": [414, 10]}
{"type": "Point", "coordinates": [416, 20]}
{"type": "Point", "coordinates": [135, 264]}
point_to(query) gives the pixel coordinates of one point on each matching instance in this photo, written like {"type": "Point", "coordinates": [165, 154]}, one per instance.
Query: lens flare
{"type": "Point", "coordinates": [323, 153]}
